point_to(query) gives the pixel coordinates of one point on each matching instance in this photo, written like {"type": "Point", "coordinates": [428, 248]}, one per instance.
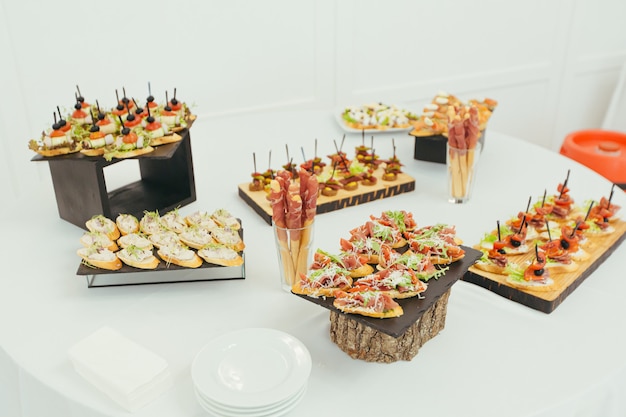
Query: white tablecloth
{"type": "Point", "coordinates": [494, 357]}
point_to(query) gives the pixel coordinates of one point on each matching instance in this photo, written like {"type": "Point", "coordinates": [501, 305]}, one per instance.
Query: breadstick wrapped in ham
{"type": "Point", "coordinates": [294, 205]}
{"type": "Point", "coordinates": [309, 190]}
{"type": "Point", "coordinates": [463, 135]}
{"type": "Point", "coordinates": [293, 218]}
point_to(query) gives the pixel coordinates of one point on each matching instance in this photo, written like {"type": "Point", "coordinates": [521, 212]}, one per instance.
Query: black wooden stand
{"type": "Point", "coordinates": [167, 182]}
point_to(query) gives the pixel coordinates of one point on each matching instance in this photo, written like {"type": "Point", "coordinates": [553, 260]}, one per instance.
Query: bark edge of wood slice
{"type": "Point", "coordinates": [362, 342]}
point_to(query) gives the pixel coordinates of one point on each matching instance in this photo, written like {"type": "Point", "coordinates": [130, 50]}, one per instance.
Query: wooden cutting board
{"type": "Point", "coordinates": [598, 247]}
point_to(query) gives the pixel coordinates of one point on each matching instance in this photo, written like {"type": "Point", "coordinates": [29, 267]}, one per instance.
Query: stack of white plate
{"type": "Point", "coordinates": [252, 372]}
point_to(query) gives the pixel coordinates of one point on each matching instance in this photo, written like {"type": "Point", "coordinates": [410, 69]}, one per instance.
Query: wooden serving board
{"type": "Point", "coordinates": [414, 307]}
{"type": "Point", "coordinates": [364, 194]}
{"type": "Point", "coordinates": [548, 299]}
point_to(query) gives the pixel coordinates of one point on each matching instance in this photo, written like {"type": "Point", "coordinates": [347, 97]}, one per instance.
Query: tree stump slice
{"type": "Point", "coordinates": [362, 342]}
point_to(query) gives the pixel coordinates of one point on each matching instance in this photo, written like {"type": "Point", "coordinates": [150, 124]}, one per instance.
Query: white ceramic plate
{"type": "Point", "coordinates": [251, 368]}
{"type": "Point", "coordinates": [338, 117]}
{"type": "Point", "coordinates": [273, 411]}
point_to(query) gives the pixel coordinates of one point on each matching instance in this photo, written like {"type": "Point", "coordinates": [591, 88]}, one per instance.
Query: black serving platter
{"type": "Point", "coordinates": [433, 148]}
{"type": "Point", "coordinates": [164, 272]}
{"type": "Point", "coordinates": [413, 307]}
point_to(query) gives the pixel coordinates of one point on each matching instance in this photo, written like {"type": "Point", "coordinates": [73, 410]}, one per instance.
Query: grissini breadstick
{"type": "Point", "coordinates": [277, 195]}
{"type": "Point", "coordinates": [293, 207]}
{"type": "Point", "coordinates": [456, 139]}
{"type": "Point", "coordinates": [463, 134]}
{"type": "Point", "coordinates": [309, 189]}
{"type": "Point", "coordinates": [294, 223]}
{"type": "Point", "coordinates": [472, 134]}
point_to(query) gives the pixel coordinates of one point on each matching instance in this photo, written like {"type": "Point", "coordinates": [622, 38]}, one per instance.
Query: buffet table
{"type": "Point", "coordinates": [494, 357]}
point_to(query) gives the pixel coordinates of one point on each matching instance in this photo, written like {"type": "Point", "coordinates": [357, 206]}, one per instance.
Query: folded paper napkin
{"type": "Point", "coordinates": [125, 371]}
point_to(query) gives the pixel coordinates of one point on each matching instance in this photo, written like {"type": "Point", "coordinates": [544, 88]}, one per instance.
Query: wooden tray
{"type": "Point", "coordinates": [413, 307]}
{"type": "Point", "coordinates": [599, 249]}
{"type": "Point", "coordinates": [364, 194]}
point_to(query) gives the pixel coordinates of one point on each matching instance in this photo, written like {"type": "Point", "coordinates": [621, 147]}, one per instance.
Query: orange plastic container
{"type": "Point", "coordinates": [604, 151]}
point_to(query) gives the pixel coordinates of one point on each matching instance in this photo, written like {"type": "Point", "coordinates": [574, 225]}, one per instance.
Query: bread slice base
{"type": "Point", "coordinates": [194, 262]}
{"type": "Point", "coordinates": [395, 312]}
{"type": "Point", "coordinates": [112, 265]}
{"type": "Point", "coordinates": [150, 263]}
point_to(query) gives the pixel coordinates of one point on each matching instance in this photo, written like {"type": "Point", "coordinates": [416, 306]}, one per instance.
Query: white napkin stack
{"type": "Point", "coordinates": [125, 371]}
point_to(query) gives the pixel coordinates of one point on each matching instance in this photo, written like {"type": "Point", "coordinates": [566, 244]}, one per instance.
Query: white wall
{"type": "Point", "coordinates": [551, 64]}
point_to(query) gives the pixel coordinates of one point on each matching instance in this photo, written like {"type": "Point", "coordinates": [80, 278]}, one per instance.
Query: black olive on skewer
{"type": "Point", "coordinates": [119, 106]}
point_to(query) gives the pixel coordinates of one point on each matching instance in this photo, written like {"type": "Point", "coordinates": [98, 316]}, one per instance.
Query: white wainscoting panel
{"type": "Point", "coordinates": [615, 117]}
{"type": "Point", "coordinates": [551, 64]}
{"type": "Point", "coordinates": [404, 49]}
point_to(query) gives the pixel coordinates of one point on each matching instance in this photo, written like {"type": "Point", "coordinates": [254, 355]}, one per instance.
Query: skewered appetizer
{"type": "Point", "coordinates": [257, 183]}
{"type": "Point", "coordinates": [105, 122]}
{"type": "Point", "coordinates": [54, 142]}
{"type": "Point", "coordinates": [172, 112]}
{"type": "Point", "coordinates": [393, 166]}
{"type": "Point", "coordinates": [121, 108]}
{"type": "Point", "coordinates": [154, 128]}
{"type": "Point", "coordinates": [314, 165]}
{"type": "Point", "coordinates": [97, 142]}
{"type": "Point", "coordinates": [129, 144]}
{"type": "Point", "coordinates": [172, 117]}
{"type": "Point", "coordinates": [176, 106]}
{"type": "Point", "coordinates": [132, 122]}
{"type": "Point", "coordinates": [81, 99]}
{"type": "Point", "coordinates": [168, 116]}
{"type": "Point", "coordinates": [329, 186]}
{"type": "Point", "coordinates": [562, 238]}
{"type": "Point", "coordinates": [260, 180]}
{"type": "Point", "coordinates": [151, 105]}
{"type": "Point", "coordinates": [353, 176]}
{"type": "Point", "coordinates": [366, 155]}
{"type": "Point", "coordinates": [64, 126]}
{"type": "Point", "coordinates": [534, 275]}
